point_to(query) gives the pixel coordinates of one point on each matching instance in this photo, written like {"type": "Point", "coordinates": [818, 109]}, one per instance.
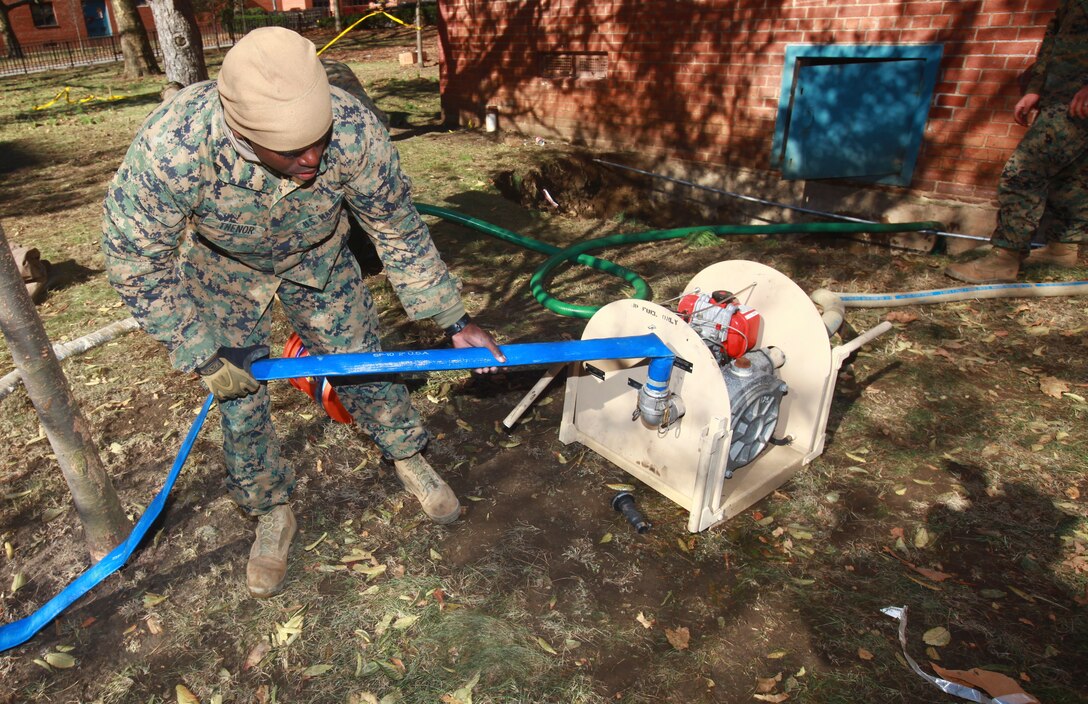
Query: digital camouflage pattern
{"type": "Point", "coordinates": [1044, 186]}
{"type": "Point", "coordinates": [198, 241]}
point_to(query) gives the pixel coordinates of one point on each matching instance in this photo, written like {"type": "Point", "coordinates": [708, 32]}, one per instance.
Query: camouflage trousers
{"type": "Point", "coordinates": [338, 318]}
{"type": "Point", "coordinates": [1044, 187]}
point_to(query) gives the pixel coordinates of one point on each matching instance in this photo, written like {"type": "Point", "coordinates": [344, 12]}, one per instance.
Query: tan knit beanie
{"type": "Point", "coordinates": [274, 90]}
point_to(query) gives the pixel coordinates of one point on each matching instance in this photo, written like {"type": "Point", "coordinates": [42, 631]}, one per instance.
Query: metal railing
{"type": "Point", "coordinates": [47, 56]}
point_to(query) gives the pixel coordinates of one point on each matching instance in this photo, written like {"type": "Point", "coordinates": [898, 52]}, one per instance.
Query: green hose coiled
{"type": "Point", "coordinates": [578, 252]}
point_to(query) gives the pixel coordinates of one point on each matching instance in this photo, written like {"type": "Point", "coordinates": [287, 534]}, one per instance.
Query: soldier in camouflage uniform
{"type": "Point", "coordinates": [231, 194]}
{"type": "Point", "coordinates": [1046, 174]}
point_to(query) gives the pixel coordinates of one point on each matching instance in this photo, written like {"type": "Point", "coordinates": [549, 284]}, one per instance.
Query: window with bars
{"type": "Point", "coordinates": [577, 65]}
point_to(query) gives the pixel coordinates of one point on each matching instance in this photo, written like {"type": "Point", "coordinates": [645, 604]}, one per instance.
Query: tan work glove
{"type": "Point", "coordinates": [227, 374]}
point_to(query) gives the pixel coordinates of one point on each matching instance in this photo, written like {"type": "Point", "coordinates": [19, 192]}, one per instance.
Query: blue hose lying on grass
{"type": "Point", "coordinates": [529, 354]}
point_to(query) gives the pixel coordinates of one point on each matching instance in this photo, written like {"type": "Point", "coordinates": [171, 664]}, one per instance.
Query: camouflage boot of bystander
{"type": "Point", "coordinates": [267, 568]}
{"type": "Point", "coordinates": [999, 266]}
{"type": "Point", "coordinates": [1055, 254]}
{"type": "Point", "coordinates": [437, 498]}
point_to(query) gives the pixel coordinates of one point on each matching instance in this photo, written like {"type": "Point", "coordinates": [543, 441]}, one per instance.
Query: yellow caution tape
{"type": "Point", "coordinates": [66, 93]}
{"type": "Point", "coordinates": [366, 17]}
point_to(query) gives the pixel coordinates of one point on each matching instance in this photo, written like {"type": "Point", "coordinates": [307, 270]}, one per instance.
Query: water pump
{"type": "Point", "coordinates": [752, 385]}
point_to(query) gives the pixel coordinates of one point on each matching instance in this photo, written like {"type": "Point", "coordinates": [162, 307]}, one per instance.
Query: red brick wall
{"type": "Point", "coordinates": [70, 25]}
{"type": "Point", "coordinates": [699, 80]}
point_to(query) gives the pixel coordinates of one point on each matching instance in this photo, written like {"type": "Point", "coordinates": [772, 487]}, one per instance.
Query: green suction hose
{"type": "Point", "coordinates": [577, 252]}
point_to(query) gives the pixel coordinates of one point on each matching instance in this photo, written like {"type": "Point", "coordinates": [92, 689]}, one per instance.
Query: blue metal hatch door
{"type": "Point", "coordinates": [853, 118]}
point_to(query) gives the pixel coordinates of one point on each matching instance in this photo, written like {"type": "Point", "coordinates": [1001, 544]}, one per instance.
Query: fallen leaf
{"type": "Point", "coordinates": [774, 698]}
{"type": "Point", "coordinates": [678, 638]}
{"type": "Point", "coordinates": [545, 646]}
{"type": "Point", "coordinates": [463, 425]}
{"type": "Point", "coordinates": [256, 654]}
{"type": "Point", "coordinates": [358, 555]}
{"type": "Point", "coordinates": [369, 570]}
{"type": "Point", "coordinates": [776, 655]}
{"type": "Point", "coordinates": [18, 582]}
{"type": "Point", "coordinates": [646, 622]}
{"type": "Point", "coordinates": [61, 661]}
{"type": "Point", "coordinates": [606, 538]}
{"type": "Point", "coordinates": [621, 487]}
{"type": "Point", "coordinates": [864, 654]}
{"type": "Point", "coordinates": [938, 636]}
{"type": "Point", "coordinates": [317, 542]}
{"type": "Point", "coordinates": [315, 671]}
{"type": "Point", "coordinates": [901, 316]}
{"type": "Point", "coordinates": [152, 599]}
{"type": "Point", "coordinates": [462, 695]}
{"type": "Point", "coordinates": [1022, 594]}
{"type": "Point", "coordinates": [921, 537]}
{"type": "Point", "coordinates": [1053, 386]}
{"type": "Point", "coordinates": [765, 685]}
{"type": "Point", "coordinates": [405, 622]}
{"type": "Point", "coordinates": [185, 696]}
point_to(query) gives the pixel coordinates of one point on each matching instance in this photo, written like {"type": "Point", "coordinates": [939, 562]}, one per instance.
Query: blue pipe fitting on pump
{"type": "Point", "coordinates": [656, 405]}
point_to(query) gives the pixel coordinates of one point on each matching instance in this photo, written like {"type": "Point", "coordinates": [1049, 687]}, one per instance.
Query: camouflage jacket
{"type": "Point", "coordinates": [1061, 68]}
{"type": "Point", "coordinates": [184, 201]}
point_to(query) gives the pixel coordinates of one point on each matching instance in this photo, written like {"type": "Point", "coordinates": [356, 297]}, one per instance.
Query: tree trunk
{"type": "Point", "coordinates": [104, 522]}
{"type": "Point", "coordinates": [135, 46]}
{"type": "Point", "coordinates": [336, 15]}
{"type": "Point", "coordinates": [179, 39]}
{"type": "Point", "coordinates": [13, 49]}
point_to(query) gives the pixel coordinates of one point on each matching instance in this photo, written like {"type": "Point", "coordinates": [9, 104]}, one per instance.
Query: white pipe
{"type": "Point", "coordinates": [534, 393]}
{"type": "Point", "coordinates": [77, 346]}
{"type": "Point", "coordinates": [834, 312]}
{"type": "Point", "coordinates": [962, 293]}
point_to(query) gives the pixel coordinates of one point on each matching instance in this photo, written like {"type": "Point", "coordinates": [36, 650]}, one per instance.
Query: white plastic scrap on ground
{"type": "Point", "coordinates": [992, 682]}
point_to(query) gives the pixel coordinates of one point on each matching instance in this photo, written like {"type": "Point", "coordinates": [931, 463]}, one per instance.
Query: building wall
{"type": "Point", "coordinates": [70, 23]}
{"type": "Point", "coordinates": [698, 81]}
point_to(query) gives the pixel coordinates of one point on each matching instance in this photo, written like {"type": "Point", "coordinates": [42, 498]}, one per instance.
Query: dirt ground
{"type": "Point", "coordinates": [953, 482]}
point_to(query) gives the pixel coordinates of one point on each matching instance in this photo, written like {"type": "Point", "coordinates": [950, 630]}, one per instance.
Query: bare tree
{"type": "Point", "coordinates": [179, 38]}
{"type": "Point", "coordinates": [135, 45]}
{"type": "Point", "coordinates": [99, 510]}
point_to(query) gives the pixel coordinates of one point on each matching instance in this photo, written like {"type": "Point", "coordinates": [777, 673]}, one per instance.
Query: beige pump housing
{"type": "Point", "coordinates": [689, 459]}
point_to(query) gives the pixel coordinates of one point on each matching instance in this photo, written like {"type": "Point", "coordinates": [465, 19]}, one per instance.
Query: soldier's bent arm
{"type": "Point", "coordinates": [142, 229]}
{"type": "Point", "coordinates": [379, 194]}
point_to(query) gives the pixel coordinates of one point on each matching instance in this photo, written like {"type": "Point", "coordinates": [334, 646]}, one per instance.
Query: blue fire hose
{"type": "Point", "coordinates": [361, 363]}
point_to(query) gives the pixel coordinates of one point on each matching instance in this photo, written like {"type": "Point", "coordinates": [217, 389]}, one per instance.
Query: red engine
{"type": "Point", "coordinates": [728, 328]}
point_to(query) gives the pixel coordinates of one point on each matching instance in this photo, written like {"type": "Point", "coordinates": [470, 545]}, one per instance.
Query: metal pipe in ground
{"type": "Point", "coordinates": [776, 204]}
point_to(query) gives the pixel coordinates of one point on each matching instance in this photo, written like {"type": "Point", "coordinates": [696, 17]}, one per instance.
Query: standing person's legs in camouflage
{"type": "Point", "coordinates": [258, 479]}
{"type": "Point", "coordinates": [341, 318]}
{"type": "Point", "coordinates": [1054, 143]}
{"type": "Point", "coordinates": [1065, 223]}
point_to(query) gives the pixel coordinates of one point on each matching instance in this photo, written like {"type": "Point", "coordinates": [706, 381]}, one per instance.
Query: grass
{"type": "Point", "coordinates": [944, 454]}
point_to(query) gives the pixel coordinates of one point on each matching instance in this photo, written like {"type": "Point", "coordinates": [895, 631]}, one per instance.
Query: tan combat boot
{"type": "Point", "coordinates": [267, 568]}
{"type": "Point", "coordinates": [438, 500]}
{"type": "Point", "coordinates": [1054, 253]}
{"type": "Point", "coordinates": [999, 266]}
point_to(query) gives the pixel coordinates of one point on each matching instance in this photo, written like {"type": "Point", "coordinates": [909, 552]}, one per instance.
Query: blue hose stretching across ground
{"type": "Point", "coordinates": [18, 632]}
